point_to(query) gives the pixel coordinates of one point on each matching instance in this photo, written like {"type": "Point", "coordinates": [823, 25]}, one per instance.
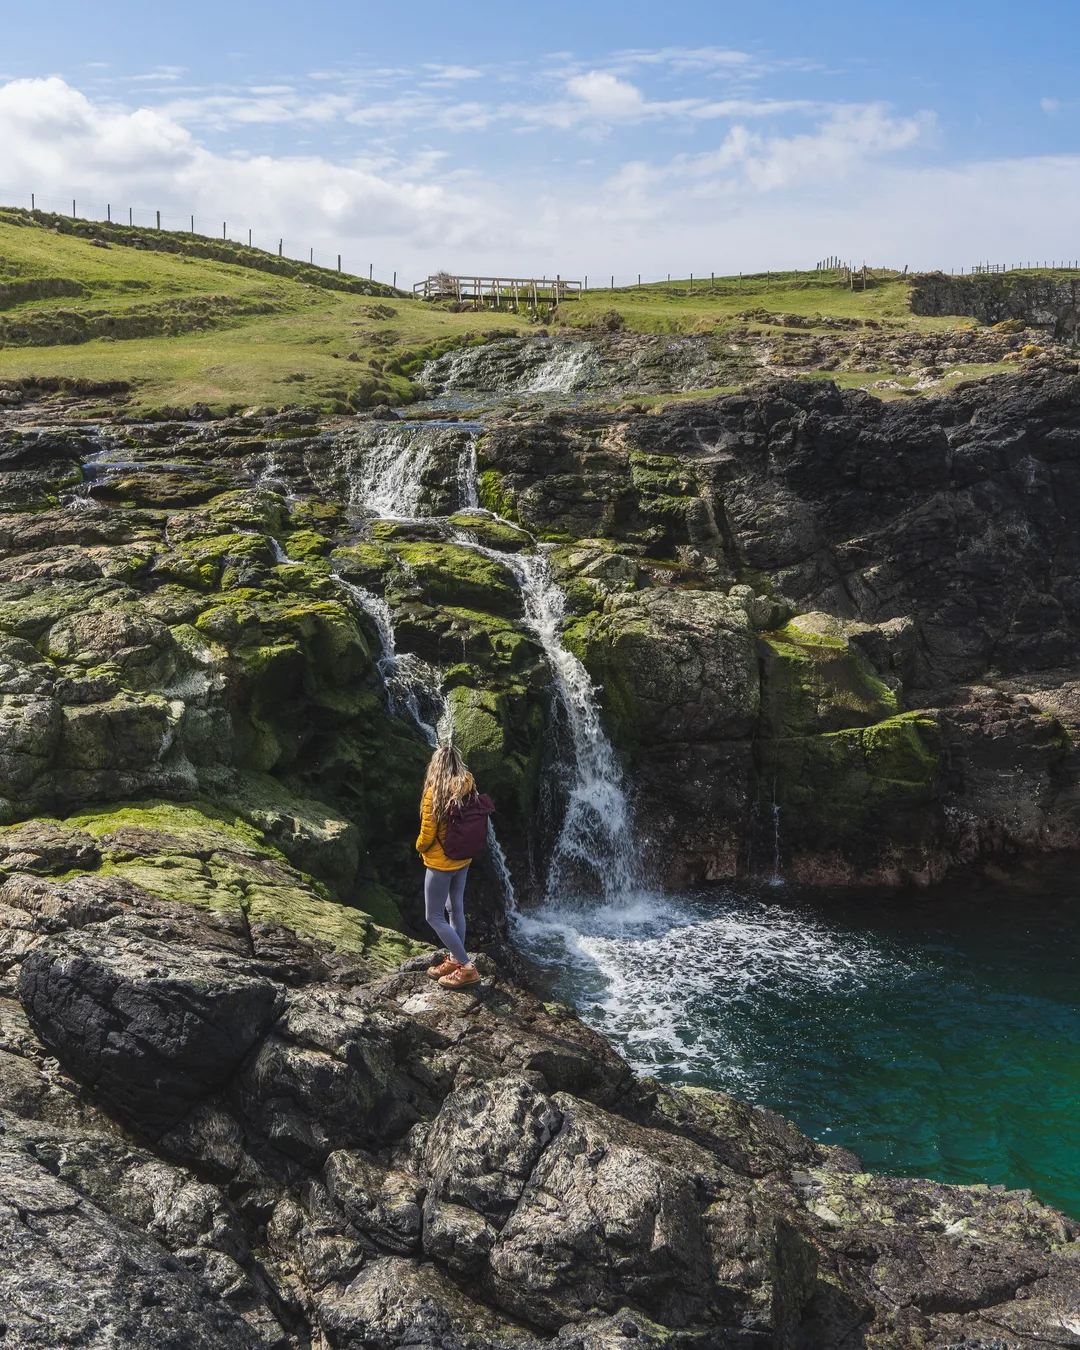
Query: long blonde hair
{"type": "Point", "coordinates": [448, 780]}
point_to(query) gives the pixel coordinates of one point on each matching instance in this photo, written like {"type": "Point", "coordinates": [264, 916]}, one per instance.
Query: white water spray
{"type": "Point", "coordinates": [388, 480]}
{"type": "Point", "coordinates": [594, 840]}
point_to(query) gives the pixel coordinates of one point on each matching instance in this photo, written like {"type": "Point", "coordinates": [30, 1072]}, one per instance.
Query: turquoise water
{"type": "Point", "coordinates": [936, 1034]}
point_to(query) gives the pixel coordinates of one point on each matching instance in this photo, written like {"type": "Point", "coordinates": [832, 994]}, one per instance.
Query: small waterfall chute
{"type": "Point", "coordinates": [413, 687]}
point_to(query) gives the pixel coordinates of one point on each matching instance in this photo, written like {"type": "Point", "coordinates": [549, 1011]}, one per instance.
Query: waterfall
{"type": "Point", "coordinates": [595, 839]}
{"type": "Point", "coordinates": [595, 848]}
{"type": "Point", "coordinates": [389, 478]}
{"type": "Point", "coordinates": [413, 687]}
{"type": "Point", "coordinates": [565, 370]}
{"type": "Point", "coordinates": [401, 471]}
{"type": "Point", "coordinates": [530, 366]}
{"type": "Point", "coordinates": [467, 478]}
{"type": "Point", "coordinates": [596, 836]}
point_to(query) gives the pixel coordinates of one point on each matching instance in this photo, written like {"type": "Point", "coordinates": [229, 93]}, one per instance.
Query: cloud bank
{"type": "Point", "coordinates": [779, 184]}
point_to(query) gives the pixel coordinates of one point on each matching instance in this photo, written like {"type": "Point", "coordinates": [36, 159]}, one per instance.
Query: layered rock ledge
{"type": "Point", "coordinates": [216, 1133]}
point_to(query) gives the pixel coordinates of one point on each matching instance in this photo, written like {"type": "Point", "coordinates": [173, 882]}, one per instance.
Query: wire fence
{"type": "Point", "coordinates": [829, 270]}
{"type": "Point", "coordinates": [79, 208]}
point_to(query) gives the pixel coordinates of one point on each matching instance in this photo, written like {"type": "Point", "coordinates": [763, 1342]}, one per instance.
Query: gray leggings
{"type": "Point", "coordinates": [440, 887]}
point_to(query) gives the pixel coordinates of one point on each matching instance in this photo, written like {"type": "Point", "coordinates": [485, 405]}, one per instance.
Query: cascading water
{"type": "Point", "coordinates": [387, 480]}
{"type": "Point", "coordinates": [413, 687]}
{"type": "Point", "coordinates": [402, 471]}
{"type": "Point", "coordinates": [595, 838]}
{"type": "Point", "coordinates": [467, 477]}
{"type": "Point", "coordinates": [566, 370]}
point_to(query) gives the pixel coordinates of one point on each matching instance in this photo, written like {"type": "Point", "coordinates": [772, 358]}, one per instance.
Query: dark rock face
{"type": "Point", "coordinates": [812, 589]}
{"type": "Point", "coordinates": [234, 1111]}
{"type": "Point", "coordinates": [515, 1186]}
{"type": "Point", "coordinates": [151, 1030]}
{"type": "Point", "coordinates": [1048, 302]}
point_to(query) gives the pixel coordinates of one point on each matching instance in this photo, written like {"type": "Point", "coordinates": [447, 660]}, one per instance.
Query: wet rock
{"type": "Point", "coordinates": [481, 1148]}
{"type": "Point", "coordinates": [43, 847]}
{"type": "Point", "coordinates": [610, 1215]}
{"type": "Point", "coordinates": [396, 1302]}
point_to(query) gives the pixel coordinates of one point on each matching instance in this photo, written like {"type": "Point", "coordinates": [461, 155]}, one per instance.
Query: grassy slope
{"type": "Point", "coordinates": [299, 351]}
{"type": "Point", "coordinates": [252, 360]}
{"type": "Point", "coordinates": [674, 307]}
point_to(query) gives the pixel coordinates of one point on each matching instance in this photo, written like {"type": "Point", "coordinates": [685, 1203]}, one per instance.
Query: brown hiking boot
{"type": "Point", "coordinates": [460, 977]}
{"type": "Point", "coordinates": [446, 966]}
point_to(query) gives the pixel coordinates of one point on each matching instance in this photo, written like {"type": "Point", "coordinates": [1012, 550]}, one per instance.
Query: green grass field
{"type": "Point", "coordinates": [184, 319]}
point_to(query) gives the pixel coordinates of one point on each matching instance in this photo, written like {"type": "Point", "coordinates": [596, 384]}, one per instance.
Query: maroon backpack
{"type": "Point", "coordinates": [467, 826]}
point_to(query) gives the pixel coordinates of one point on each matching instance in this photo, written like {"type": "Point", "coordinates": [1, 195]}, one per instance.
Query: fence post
{"type": "Point", "coordinates": [395, 281]}
{"type": "Point", "coordinates": [73, 210]}
{"type": "Point", "coordinates": [223, 235]}
{"type": "Point", "coordinates": [32, 206]}
{"type": "Point", "coordinates": [339, 262]}
{"type": "Point", "coordinates": [192, 224]}
{"type": "Point", "coordinates": [280, 246]}
{"type": "Point", "coordinates": [108, 213]}
{"type": "Point", "coordinates": [370, 271]}
{"type": "Point", "coordinates": [311, 256]}
{"type": "Point", "coordinates": [131, 216]}
{"type": "Point", "coordinates": [249, 238]}
{"type": "Point", "coordinates": [159, 220]}
{"type": "Point", "coordinates": [612, 283]}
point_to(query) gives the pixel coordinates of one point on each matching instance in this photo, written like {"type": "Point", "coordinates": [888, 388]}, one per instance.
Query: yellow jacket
{"type": "Point", "coordinates": [432, 836]}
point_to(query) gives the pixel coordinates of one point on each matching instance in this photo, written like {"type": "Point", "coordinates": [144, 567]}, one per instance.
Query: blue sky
{"type": "Point", "coordinates": [589, 137]}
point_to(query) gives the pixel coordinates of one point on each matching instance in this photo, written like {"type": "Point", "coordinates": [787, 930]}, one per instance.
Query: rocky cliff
{"type": "Point", "coordinates": [863, 613]}
{"type": "Point", "coordinates": [234, 1111]}
{"type": "Point", "coordinates": [1045, 301]}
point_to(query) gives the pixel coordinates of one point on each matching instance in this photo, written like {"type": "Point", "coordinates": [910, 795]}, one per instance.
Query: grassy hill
{"type": "Point", "coordinates": [184, 319]}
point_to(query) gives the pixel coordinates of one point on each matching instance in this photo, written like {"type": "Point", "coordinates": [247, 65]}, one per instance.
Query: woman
{"type": "Point", "coordinates": [447, 781]}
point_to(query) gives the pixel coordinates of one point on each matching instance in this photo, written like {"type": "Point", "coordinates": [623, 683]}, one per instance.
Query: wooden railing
{"type": "Point", "coordinates": [497, 291]}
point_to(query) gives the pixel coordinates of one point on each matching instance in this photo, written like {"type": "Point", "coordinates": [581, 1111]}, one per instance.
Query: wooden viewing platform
{"type": "Point", "coordinates": [497, 290]}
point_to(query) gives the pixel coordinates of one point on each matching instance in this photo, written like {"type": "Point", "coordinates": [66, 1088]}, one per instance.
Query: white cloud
{"type": "Point", "coordinates": [606, 96]}
{"type": "Point", "coordinates": [60, 145]}
{"type": "Point", "coordinates": [451, 73]}
{"type": "Point", "coordinates": [760, 196]}
{"type": "Point", "coordinates": [749, 160]}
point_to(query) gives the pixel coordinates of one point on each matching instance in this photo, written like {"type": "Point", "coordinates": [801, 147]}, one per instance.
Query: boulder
{"type": "Point", "coordinates": [150, 1028]}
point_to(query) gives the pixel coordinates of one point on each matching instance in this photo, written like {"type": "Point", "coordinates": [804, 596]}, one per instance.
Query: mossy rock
{"type": "Point", "coordinates": [813, 683]}
{"type": "Point", "coordinates": [304, 545]}
{"type": "Point", "coordinates": [161, 488]}
{"type": "Point", "coordinates": [495, 495]}
{"type": "Point", "coordinates": [834, 785]}
{"type": "Point", "coordinates": [201, 854]}
{"type": "Point", "coordinates": [363, 564]}
{"type": "Point", "coordinates": [451, 574]}
{"type": "Point", "coordinates": [390, 531]}
{"type": "Point", "coordinates": [315, 514]}
{"type": "Point", "coordinates": [248, 509]}
{"type": "Point", "coordinates": [492, 532]}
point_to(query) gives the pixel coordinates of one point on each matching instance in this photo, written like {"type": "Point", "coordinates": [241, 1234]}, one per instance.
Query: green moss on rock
{"type": "Point", "coordinates": [814, 683]}
{"type": "Point", "coordinates": [495, 495]}
{"type": "Point", "coordinates": [451, 574]}
{"type": "Point", "coordinates": [363, 564]}
{"type": "Point", "coordinates": [493, 533]}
